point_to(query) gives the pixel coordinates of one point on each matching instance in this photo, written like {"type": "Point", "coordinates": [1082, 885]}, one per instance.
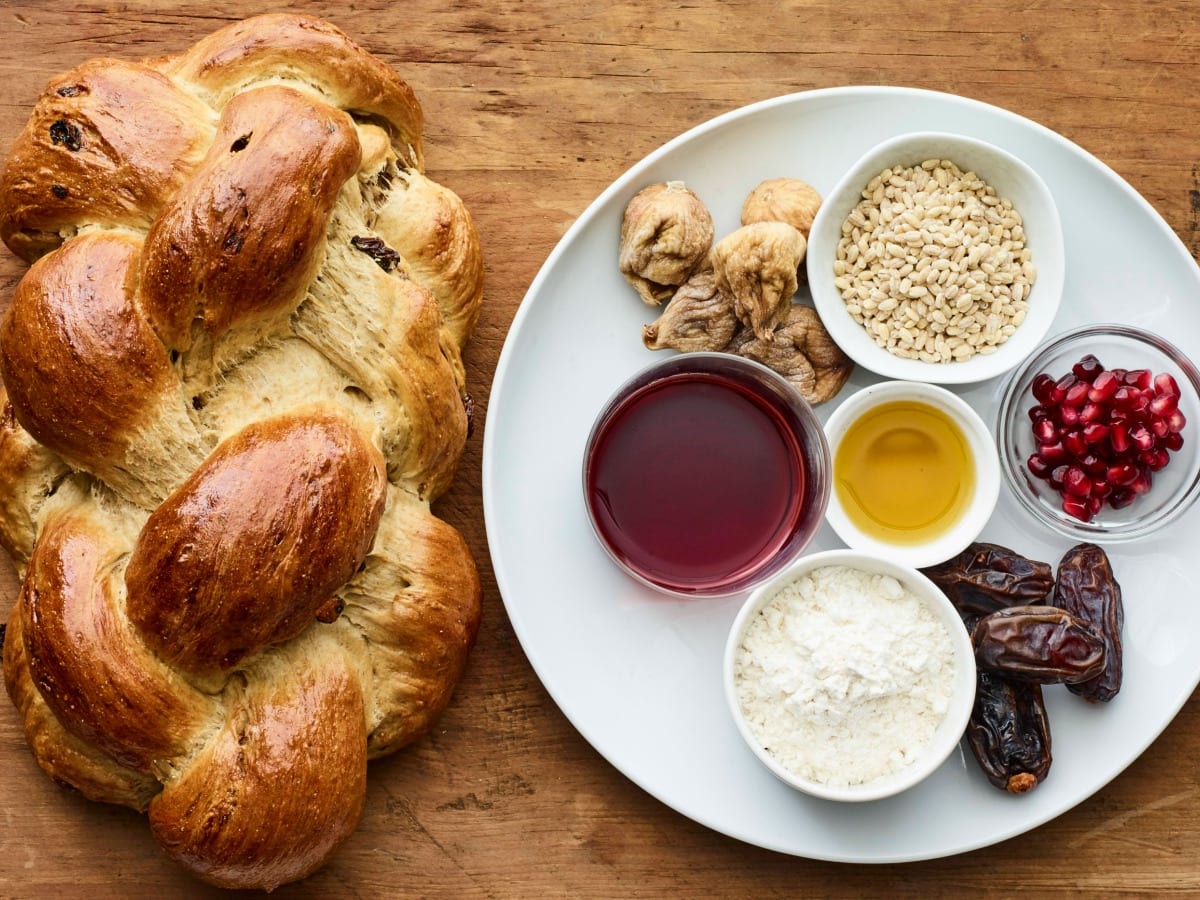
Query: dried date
{"type": "Point", "coordinates": [1086, 588]}
{"type": "Point", "coordinates": [1009, 732]}
{"type": "Point", "coordinates": [1043, 644]}
{"type": "Point", "coordinates": [986, 577]}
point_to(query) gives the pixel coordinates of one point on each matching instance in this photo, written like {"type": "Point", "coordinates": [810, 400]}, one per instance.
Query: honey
{"type": "Point", "coordinates": [904, 472]}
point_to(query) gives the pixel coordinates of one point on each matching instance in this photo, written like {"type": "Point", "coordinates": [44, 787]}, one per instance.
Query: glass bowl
{"type": "Point", "coordinates": [1172, 489]}
{"type": "Point", "coordinates": [705, 474]}
{"type": "Point", "coordinates": [1012, 179]}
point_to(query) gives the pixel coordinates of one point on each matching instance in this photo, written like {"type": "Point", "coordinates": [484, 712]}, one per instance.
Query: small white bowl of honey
{"type": "Point", "coordinates": [916, 474]}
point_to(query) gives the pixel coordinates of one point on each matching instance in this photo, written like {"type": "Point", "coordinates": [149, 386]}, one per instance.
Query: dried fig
{"type": "Point", "coordinates": [699, 317]}
{"type": "Point", "coordinates": [800, 350]}
{"type": "Point", "coordinates": [783, 200]}
{"type": "Point", "coordinates": [666, 234]}
{"type": "Point", "coordinates": [757, 265]}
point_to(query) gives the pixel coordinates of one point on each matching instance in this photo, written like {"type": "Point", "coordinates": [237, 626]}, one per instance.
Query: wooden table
{"type": "Point", "coordinates": [532, 109]}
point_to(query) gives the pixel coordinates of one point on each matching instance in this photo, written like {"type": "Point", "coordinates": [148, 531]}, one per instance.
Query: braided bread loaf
{"type": "Point", "coordinates": [234, 385]}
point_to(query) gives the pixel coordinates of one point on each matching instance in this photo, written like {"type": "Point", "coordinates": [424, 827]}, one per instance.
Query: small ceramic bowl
{"type": "Point", "coordinates": [705, 474]}
{"type": "Point", "coordinates": [1173, 489]}
{"type": "Point", "coordinates": [978, 508]}
{"type": "Point", "coordinates": [741, 662]}
{"type": "Point", "coordinates": [1012, 179]}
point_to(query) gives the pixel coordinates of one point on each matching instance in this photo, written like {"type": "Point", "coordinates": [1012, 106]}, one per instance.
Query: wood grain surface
{"type": "Point", "coordinates": [532, 108]}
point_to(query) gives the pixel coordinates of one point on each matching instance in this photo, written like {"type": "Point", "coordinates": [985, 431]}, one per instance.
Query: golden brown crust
{"type": "Point", "coordinates": [403, 360]}
{"type": "Point", "coordinates": [416, 605]}
{"type": "Point", "coordinates": [247, 550]}
{"type": "Point", "coordinates": [29, 473]}
{"type": "Point", "coordinates": [83, 157]}
{"type": "Point", "coordinates": [426, 224]}
{"type": "Point", "coordinates": [66, 759]}
{"type": "Point", "coordinates": [97, 678]}
{"type": "Point", "coordinates": [306, 50]}
{"type": "Point", "coordinates": [73, 332]}
{"type": "Point", "coordinates": [236, 387]}
{"type": "Point", "coordinates": [291, 765]}
{"type": "Point", "coordinates": [242, 239]}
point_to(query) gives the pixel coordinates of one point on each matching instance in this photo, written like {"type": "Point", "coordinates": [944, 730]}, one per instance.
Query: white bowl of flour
{"type": "Point", "coordinates": [850, 677]}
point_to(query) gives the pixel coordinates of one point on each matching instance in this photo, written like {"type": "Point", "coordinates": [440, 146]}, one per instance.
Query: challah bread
{"type": "Point", "coordinates": [233, 385]}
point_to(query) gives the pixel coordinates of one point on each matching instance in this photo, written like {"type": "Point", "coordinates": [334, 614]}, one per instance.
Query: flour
{"type": "Point", "coordinates": [844, 676]}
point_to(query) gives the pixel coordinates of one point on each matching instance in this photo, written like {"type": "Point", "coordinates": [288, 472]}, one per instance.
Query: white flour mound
{"type": "Point", "coordinates": [844, 676]}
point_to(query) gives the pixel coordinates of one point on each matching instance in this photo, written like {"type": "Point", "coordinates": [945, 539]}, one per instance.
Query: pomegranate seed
{"type": "Point", "coordinates": [1138, 378]}
{"type": "Point", "coordinates": [1087, 368]}
{"type": "Point", "coordinates": [1102, 433]}
{"type": "Point", "coordinates": [1054, 454]}
{"type": "Point", "coordinates": [1122, 474]}
{"type": "Point", "coordinates": [1076, 482]}
{"type": "Point", "coordinates": [1164, 404]}
{"type": "Point", "coordinates": [1038, 466]}
{"type": "Point", "coordinates": [1077, 394]}
{"type": "Point", "coordinates": [1143, 482]}
{"type": "Point", "coordinates": [1121, 498]}
{"type": "Point", "coordinates": [1118, 437]}
{"type": "Point", "coordinates": [1059, 392]}
{"type": "Point", "coordinates": [1165, 385]}
{"type": "Point", "coordinates": [1076, 508]}
{"type": "Point", "coordinates": [1125, 397]}
{"type": "Point", "coordinates": [1074, 443]}
{"type": "Point", "coordinates": [1044, 431]}
{"type": "Point", "coordinates": [1103, 387]}
{"type": "Point", "coordinates": [1043, 386]}
{"type": "Point", "coordinates": [1141, 436]}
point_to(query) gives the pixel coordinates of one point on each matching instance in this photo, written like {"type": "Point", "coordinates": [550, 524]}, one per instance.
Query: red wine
{"type": "Point", "coordinates": [696, 480]}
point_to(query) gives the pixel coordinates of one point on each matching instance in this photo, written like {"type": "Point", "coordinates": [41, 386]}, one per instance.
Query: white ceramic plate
{"type": "Point", "coordinates": [640, 675]}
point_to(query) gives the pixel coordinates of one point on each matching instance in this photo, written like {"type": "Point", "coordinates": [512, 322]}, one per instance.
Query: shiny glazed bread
{"type": "Point", "coordinates": [234, 385]}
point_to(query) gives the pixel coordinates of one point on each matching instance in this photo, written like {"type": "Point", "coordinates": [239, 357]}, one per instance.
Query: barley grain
{"type": "Point", "coordinates": [933, 263]}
